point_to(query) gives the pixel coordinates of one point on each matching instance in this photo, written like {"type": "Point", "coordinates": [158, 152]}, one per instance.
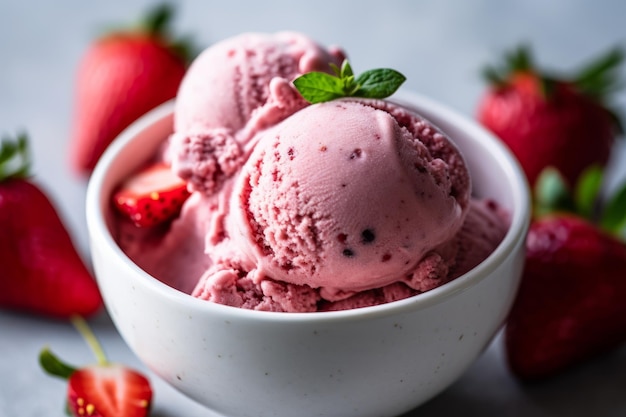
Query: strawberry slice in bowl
{"type": "Point", "coordinates": [151, 196]}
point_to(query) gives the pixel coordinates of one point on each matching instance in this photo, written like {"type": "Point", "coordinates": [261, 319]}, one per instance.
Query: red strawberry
{"type": "Point", "coordinates": [151, 196]}
{"type": "Point", "coordinates": [101, 390]}
{"type": "Point", "coordinates": [556, 121]}
{"type": "Point", "coordinates": [570, 306]}
{"type": "Point", "coordinates": [42, 272]}
{"type": "Point", "coordinates": [121, 77]}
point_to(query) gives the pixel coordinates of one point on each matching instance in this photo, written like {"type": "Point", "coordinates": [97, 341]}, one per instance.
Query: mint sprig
{"type": "Point", "coordinates": [318, 87]}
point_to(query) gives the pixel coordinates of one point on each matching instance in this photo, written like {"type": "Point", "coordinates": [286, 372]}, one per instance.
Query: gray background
{"type": "Point", "coordinates": [439, 45]}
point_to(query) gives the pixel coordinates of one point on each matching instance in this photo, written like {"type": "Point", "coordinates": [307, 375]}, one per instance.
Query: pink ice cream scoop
{"type": "Point", "coordinates": [232, 90]}
{"type": "Point", "coordinates": [343, 197]}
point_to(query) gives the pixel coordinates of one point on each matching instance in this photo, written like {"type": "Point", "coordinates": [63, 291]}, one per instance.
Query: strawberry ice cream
{"type": "Point", "coordinates": [341, 205]}
{"type": "Point", "coordinates": [232, 90]}
{"type": "Point", "coordinates": [304, 208]}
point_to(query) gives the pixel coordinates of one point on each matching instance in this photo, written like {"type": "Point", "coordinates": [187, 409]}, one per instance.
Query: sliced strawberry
{"type": "Point", "coordinates": [151, 196]}
{"type": "Point", "coordinates": [101, 390]}
{"type": "Point", "coordinates": [109, 390]}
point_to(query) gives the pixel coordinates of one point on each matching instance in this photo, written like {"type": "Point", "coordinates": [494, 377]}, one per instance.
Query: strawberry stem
{"type": "Point", "coordinates": [91, 339]}
{"type": "Point", "coordinates": [15, 158]}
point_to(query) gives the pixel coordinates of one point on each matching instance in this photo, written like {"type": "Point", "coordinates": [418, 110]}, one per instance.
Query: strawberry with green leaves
{"type": "Point", "coordinates": [122, 76]}
{"type": "Point", "coordinates": [151, 196]}
{"type": "Point", "coordinates": [42, 273]}
{"type": "Point", "coordinates": [552, 120]}
{"type": "Point", "coordinates": [103, 389]}
{"type": "Point", "coordinates": [570, 306]}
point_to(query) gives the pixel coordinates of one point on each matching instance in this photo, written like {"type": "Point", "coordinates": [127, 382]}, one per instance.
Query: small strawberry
{"type": "Point", "coordinates": [151, 196]}
{"type": "Point", "coordinates": [570, 306]}
{"type": "Point", "coordinates": [551, 120]}
{"type": "Point", "coordinates": [103, 389]}
{"type": "Point", "coordinates": [42, 272]}
{"type": "Point", "coordinates": [122, 76]}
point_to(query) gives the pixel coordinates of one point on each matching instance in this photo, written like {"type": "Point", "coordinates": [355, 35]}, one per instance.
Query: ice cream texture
{"type": "Point", "coordinates": [302, 208]}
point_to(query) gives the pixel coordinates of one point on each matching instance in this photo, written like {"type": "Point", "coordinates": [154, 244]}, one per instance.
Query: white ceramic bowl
{"type": "Point", "coordinates": [375, 361]}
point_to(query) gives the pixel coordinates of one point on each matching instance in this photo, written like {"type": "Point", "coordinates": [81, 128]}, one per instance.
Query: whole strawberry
{"type": "Point", "coordinates": [103, 389]}
{"type": "Point", "coordinates": [122, 76]}
{"type": "Point", "coordinates": [550, 120]}
{"type": "Point", "coordinates": [42, 272]}
{"type": "Point", "coordinates": [570, 306]}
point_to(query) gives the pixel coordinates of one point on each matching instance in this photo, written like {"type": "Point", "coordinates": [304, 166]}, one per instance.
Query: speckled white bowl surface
{"type": "Point", "coordinates": [375, 361]}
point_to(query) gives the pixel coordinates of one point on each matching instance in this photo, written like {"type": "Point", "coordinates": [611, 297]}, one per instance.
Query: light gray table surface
{"type": "Point", "coordinates": [439, 45]}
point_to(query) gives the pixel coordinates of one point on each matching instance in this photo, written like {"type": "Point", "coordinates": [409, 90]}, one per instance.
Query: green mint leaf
{"type": "Point", "coordinates": [350, 86]}
{"type": "Point", "coordinates": [614, 216]}
{"type": "Point", "coordinates": [53, 365]}
{"type": "Point", "coordinates": [336, 69]}
{"type": "Point", "coordinates": [317, 87]}
{"type": "Point", "coordinates": [346, 69]}
{"type": "Point", "coordinates": [378, 83]}
{"type": "Point", "coordinates": [587, 191]}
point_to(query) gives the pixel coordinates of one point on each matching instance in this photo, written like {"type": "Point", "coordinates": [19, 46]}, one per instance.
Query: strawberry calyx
{"type": "Point", "coordinates": [15, 160]}
{"type": "Point", "coordinates": [156, 23]}
{"type": "Point", "coordinates": [104, 389]}
{"type": "Point", "coordinates": [55, 367]}
{"type": "Point", "coordinates": [553, 195]}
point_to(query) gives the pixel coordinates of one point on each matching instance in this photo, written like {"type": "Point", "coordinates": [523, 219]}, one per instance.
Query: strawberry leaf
{"type": "Point", "coordinates": [587, 191]}
{"type": "Point", "coordinates": [600, 77]}
{"type": "Point", "coordinates": [517, 60]}
{"type": "Point", "coordinates": [158, 18]}
{"type": "Point", "coordinates": [520, 59]}
{"type": "Point", "coordinates": [54, 366]}
{"type": "Point", "coordinates": [614, 216]}
{"type": "Point", "coordinates": [552, 193]}
{"type": "Point", "coordinates": [14, 157]}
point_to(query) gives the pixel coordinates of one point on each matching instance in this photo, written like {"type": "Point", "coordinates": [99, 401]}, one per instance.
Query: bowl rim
{"type": "Point", "coordinates": [519, 223]}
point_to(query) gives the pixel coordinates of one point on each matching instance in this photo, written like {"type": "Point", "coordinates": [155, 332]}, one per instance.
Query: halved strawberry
{"type": "Point", "coordinates": [108, 390]}
{"type": "Point", "coordinates": [151, 196]}
{"type": "Point", "coordinates": [103, 389]}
